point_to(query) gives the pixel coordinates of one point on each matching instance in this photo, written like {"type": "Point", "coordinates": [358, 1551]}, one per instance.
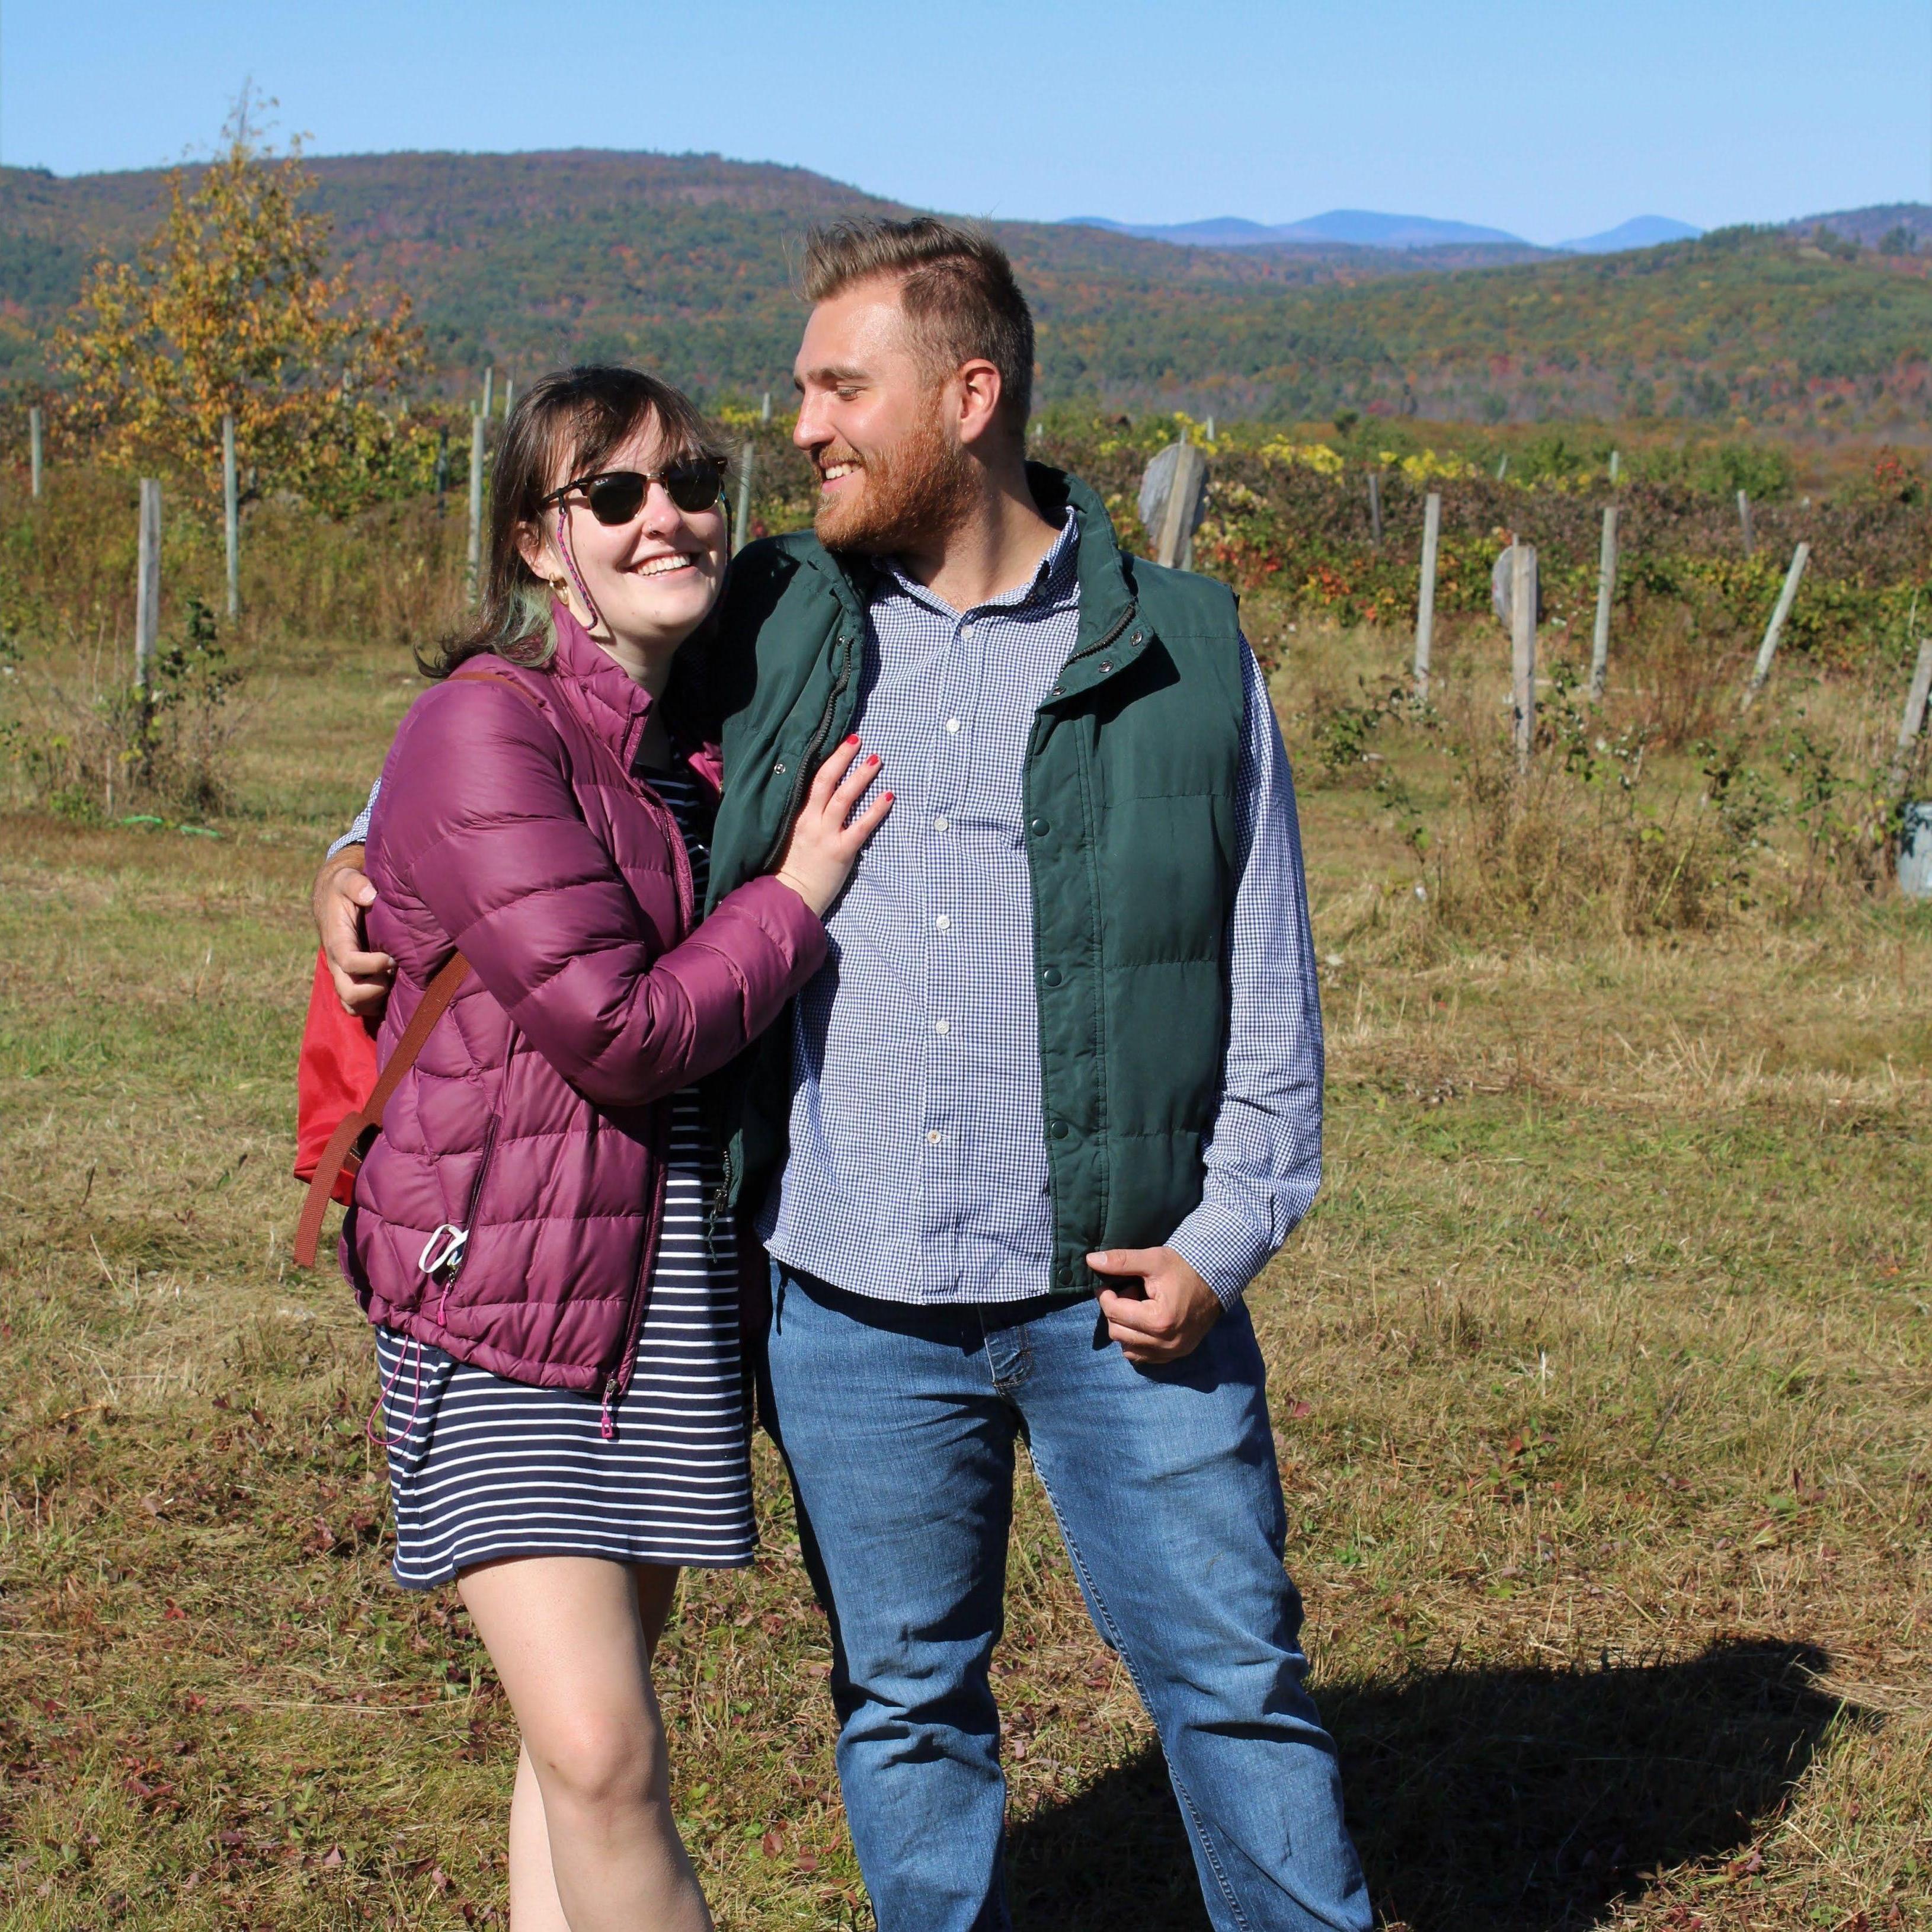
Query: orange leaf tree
{"type": "Point", "coordinates": [231, 308]}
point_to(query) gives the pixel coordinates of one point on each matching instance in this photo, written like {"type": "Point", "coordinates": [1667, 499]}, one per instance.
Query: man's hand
{"type": "Point", "coordinates": [341, 892]}
{"type": "Point", "coordinates": [1166, 1310]}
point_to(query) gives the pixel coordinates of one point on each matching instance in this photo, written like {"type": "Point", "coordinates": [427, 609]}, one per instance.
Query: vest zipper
{"type": "Point", "coordinates": [1127, 616]}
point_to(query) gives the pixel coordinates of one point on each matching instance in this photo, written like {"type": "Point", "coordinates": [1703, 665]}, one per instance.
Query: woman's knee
{"type": "Point", "coordinates": [601, 1763]}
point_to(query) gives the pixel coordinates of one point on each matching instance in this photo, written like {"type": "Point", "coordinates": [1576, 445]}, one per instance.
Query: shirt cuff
{"type": "Point", "coordinates": [1225, 1249]}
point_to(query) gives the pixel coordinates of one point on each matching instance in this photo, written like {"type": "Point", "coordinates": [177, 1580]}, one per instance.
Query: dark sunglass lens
{"type": "Point", "coordinates": [694, 484]}
{"type": "Point", "coordinates": [615, 498]}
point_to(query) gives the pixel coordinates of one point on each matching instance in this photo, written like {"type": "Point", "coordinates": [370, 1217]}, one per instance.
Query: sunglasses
{"type": "Point", "coordinates": [693, 483]}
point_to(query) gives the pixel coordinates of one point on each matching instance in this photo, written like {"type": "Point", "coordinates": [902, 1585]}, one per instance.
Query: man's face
{"type": "Point", "coordinates": [873, 418]}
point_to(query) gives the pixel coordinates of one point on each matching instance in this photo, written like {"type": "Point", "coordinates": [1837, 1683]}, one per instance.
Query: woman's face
{"type": "Point", "coordinates": [655, 578]}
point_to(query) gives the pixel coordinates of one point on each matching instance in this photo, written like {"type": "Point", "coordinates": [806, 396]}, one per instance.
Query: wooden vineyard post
{"type": "Point", "coordinates": [1744, 521]}
{"type": "Point", "coordinates": [1606, 585]}
{"type": "Point", "coordinates": [475, 505]}
{"type": "Point", "coordinates": [441, 465]}
{"type": "Point", "coordinates": [231, 516]}
{"type": "Point", "coordinates": [1375, 507]}
{"type": "Point", "coordinates": [1616, 464]}
{"type": "Point", "coordinates": [34, 450]}
{"type": "Point", "coordinates": [765, 408]}
{"type": "Point", "coordinates": [1208, 429]}
{"type": "Point", "coordinates": [1522, 651]}
{"type": "Point", "coordinates": [1425, 595]}
{"type": "Point", "coordinates": [1174, 545]}
{"type": "Point", "coordinates": [147, 587]}
{"type": "Point", "coordinates": [509, 395]}
{"type": "Point", "coordinates": [1761, 671]}
{"type": "Point", "coordinates": [489, 386]}
{"type": "Point", "coordinates": [741, 524]}
{"type": "Point", "coordinates": [1914, 720]}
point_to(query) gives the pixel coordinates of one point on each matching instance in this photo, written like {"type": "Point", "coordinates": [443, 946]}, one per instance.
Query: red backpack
{"type": "Point", "coordinates": [339, 1095]}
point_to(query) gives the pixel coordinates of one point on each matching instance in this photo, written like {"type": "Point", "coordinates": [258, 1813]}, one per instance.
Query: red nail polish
{"type": "Point", "coordinates": [873, 759]}
{"type": "Point", "coordinates": [853, 739]}
{"type": "Point", "coordinates": [888, 798]}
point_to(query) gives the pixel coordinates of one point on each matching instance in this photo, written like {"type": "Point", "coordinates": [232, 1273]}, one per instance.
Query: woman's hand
{"type": "Point", "coordinates": [824, 848]}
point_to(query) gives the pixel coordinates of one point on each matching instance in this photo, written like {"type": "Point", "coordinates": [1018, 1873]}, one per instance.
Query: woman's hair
{"type": "Point", "coordinates": [564, 424]}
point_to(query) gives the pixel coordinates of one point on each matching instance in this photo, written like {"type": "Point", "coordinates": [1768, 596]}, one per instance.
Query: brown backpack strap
{"type": "Point", "coordinates": [517, 684]}
{"type": "Point", "coordinates": [344, 1149]}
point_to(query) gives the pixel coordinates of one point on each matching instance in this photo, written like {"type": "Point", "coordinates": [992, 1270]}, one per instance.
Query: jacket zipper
{"type": "Point", "coordinates": [448, 1280]}
{"type": "Point", "coordinates": [619, 1379]}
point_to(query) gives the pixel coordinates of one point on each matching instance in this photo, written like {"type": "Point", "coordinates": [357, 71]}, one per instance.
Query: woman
{"type": "Point", "coordinates": [556, 1313]}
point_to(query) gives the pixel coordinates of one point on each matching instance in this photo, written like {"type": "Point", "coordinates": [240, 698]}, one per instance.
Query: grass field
{"type": "Point", "coordinates": [1601, 1375]}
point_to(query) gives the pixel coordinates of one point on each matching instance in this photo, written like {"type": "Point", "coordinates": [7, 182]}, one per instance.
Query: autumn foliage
{"type": "Point", "coordinates": [231, 308]}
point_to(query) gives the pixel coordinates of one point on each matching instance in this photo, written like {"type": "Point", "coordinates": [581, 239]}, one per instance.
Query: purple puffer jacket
{"type": "Point", "coordinates": [537, 1116]}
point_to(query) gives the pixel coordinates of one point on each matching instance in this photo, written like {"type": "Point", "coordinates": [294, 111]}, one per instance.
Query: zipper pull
{"type": "Point", "coordinates": [606, 1427]}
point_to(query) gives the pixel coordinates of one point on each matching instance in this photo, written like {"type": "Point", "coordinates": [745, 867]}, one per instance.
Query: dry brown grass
{"type": "Point", "coordinates": [1601, 1373]}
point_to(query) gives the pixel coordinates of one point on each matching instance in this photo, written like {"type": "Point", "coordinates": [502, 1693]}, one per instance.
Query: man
{"type": "Point", "coordinates": [1054, 1101]}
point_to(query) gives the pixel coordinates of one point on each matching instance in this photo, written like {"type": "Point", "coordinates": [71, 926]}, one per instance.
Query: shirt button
{"type": "Point", "coordinates": [966, 630]}
{"type": "Point", "coordinates": [1052, 976]}
{"type": "Point", "coordinates": [944, 920]}
{"type": "Point", "coordinates": [953, 725]}
{"type": "Point", "coordinates": [942, 823]}
{"type": "Point", "coordinates": [932, 1135]}
{"type": "Point", "coordinates": [942, 1026]}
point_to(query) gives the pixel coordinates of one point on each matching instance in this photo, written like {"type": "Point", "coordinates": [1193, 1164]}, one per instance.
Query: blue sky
{"type": "Point", "coordinates": [1550, 120]}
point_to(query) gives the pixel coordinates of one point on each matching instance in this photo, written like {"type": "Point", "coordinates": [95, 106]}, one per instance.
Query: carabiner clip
{"type": "Point", "coordinates": [433, 1261]}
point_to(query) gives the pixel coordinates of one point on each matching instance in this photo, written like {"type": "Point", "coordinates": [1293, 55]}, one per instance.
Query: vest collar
{"type": "Point", "coordinates": [1109, 638]}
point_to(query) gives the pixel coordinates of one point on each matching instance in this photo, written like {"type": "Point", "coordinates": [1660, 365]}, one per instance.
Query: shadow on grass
{"type": "Point", "coordinates": [1509, 1800]}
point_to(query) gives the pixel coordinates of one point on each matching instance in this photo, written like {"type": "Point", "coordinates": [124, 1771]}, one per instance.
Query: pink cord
{"type": "Point", "coordinates": [596, 623]}
{"type": "Point", "coordinates": [369, 1427]}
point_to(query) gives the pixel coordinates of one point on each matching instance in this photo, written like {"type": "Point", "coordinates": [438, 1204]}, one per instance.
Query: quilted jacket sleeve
{"type": "Point", "coordinates": [478, 819]}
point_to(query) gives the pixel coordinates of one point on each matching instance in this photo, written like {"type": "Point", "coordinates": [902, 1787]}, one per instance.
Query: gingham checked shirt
{"type": "Point", "coordinates": [918, 1169]}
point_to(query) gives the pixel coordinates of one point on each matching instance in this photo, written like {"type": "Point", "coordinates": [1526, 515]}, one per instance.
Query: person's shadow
{"type": "Point", "coordinates": [1518, 1800]}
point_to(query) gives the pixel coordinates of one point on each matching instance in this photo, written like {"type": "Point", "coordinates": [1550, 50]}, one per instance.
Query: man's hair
{"type": "Point", "coordinates": [956, 285]}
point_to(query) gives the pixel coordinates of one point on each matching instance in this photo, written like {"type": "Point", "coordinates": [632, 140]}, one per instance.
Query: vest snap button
{"type": "Point", "coordinates": [1037, 827]}
{"type": "Point", "coordinates": [1060, 1130]}
{"type": "Point", "coordinates": [1052, 976]}
{"type": "Point", "coordinates": [778, 770]}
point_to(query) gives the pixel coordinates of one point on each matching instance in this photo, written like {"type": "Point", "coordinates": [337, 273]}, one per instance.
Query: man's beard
{"type": "Point", "coordinates": [921, 490]}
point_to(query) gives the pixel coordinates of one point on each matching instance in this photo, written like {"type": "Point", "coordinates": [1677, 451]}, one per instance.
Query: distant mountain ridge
{"type": "Point", "coordinates": [685, 264]}
{"type": "Point", "coordinates": [1355, 227]}
{"type": "Point", "coordinates": [1361, 228]}
{"type": "Point", "coordinates": [1641, 231]}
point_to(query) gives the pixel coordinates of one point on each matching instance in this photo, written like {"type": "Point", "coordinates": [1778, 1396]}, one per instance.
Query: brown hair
{"type": "Point", "coordinates": [573, 419]}
{"type": "Point", "coordinates": [956, 287]}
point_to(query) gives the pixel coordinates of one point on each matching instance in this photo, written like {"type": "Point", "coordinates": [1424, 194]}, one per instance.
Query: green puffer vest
{"type": "Point", "coordinates": [1131, 822]}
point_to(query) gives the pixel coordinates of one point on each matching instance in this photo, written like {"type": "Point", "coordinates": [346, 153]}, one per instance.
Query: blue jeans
{"type": "Point", "coordinates": [898, 1425]}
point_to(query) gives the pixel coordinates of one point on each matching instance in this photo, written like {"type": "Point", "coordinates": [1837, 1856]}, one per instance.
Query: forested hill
{"type": "Point", "coordinates": [687, 262]}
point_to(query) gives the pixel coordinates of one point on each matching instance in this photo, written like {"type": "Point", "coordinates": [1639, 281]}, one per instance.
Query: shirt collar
{"type": "Point", "coordinates": [1057, 578]}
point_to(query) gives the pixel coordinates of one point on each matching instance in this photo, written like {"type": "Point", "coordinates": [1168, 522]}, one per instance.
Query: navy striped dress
{"type": "Point", "coordinates": [482, 1468]}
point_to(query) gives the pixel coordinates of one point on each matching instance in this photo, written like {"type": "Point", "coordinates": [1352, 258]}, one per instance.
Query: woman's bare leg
{"type": "Point", "coordinates": [570, 1637]}
{"type": "Point", "coordinates": [534, 1904]}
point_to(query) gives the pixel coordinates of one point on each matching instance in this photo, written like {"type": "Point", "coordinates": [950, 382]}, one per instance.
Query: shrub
{"type": "Point", "coordinates": [92, 751]}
